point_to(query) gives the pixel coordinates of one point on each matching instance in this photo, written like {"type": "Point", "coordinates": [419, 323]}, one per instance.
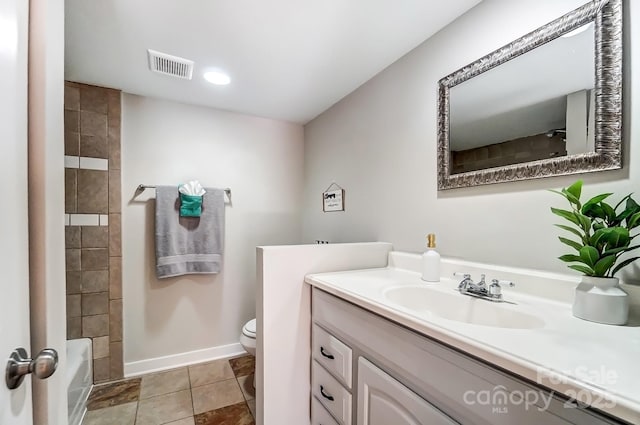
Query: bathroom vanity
{"type": "Point", "coordinates": [390, 349]}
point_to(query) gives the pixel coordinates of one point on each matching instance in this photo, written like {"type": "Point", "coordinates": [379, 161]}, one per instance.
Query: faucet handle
{"type": "Point", "coordinates": [495, 289]}
{"type": "Point", "coordinates": [466, 280]}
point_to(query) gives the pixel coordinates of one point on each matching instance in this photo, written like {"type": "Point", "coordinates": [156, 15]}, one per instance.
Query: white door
{"type": "Point", "coordinates": [15, 405]}
{"type": "Point", "coordinates": [382, 401]}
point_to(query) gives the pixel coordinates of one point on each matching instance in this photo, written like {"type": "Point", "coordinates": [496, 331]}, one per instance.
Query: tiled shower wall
{"type": "Point", "coordinates": [93, 231]}
{"type": "Point", "coordinates": [524, 149]}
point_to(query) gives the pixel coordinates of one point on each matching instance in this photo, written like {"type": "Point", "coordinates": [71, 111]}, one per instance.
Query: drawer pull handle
{"type": "Point", "coordinates": [329, 356]}
{"type": "Point", "coordinates": [325, 395]}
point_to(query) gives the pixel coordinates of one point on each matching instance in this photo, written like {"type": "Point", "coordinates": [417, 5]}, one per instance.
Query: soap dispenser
{"type": "Point", "coordinates": [431, 261]}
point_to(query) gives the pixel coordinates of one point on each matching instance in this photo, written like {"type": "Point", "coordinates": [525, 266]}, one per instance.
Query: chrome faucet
{"type": "Point", "coordinates": [466, 281]}
{"type": "Point", "coordinates": [492, 292]}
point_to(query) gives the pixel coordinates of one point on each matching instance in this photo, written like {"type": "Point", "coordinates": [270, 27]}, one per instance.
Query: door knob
{"type": "Point", "coordinates": [42, 366]}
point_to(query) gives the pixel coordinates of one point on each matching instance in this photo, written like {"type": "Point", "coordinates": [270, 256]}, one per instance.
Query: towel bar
{"type": "Point", "coordinates": [142, 187]}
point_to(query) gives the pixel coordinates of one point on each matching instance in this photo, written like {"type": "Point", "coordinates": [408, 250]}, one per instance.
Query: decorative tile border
{"type": "Point", "coordinates": [86, 163]}
{"type": "Point", "coordinates": [71, 161]}
{"type": "Point", "coordinates": [94, 163]}
{"type": "Point", "coordinates": [86, 220]}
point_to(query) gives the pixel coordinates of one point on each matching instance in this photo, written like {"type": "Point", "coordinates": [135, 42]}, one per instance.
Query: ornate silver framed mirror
{"type": "Point", "coordinates": [547, 104]}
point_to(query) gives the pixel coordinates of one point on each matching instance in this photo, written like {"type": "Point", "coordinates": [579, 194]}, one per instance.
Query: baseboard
{"type": "Point", "coordinates": [182, 359]}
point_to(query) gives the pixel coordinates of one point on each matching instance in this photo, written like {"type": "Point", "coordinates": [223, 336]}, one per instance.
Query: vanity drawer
{"type": "Point", "coordinates": [319, 415]}
{"type": "Point", "coordinates": [333, 396]}
{"type": "Point", "coordinates": [333, 354]}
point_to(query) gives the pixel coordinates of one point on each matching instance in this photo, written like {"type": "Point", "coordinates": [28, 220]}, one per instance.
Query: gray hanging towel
{"type": "Point", "coordinates": [188, 245]}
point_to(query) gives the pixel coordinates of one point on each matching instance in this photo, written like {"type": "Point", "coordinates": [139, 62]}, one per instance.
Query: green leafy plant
{"type": "Point", "coordinates": [604, 234]}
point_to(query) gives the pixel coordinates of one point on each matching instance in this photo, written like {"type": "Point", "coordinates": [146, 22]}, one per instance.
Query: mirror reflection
{"type": "Point", "coordinates": [536, 106]}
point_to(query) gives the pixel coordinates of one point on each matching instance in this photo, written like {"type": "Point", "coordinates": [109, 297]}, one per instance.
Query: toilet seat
{"type": "Point", "coordinates": [249, 329]}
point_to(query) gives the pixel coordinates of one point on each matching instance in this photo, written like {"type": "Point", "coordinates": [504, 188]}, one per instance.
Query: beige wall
{"type": "Point", "coordinates": [196, 317]}
{"type": "Point", "coordinates": [379, 144]}
{"type": "Point", "coordinates": [92, 207]}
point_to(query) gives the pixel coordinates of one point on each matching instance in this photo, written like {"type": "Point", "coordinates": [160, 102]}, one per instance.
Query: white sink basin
{"type": "Point", "coordinates": [461, 308]}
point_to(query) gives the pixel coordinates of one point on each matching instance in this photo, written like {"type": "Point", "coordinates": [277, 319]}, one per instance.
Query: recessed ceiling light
{"type": "Point", "coordinates": [218, 78]}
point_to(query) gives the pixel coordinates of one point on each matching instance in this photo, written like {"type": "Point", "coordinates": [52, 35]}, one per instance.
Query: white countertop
{"type": "Point", "coordinates": [596, 364]}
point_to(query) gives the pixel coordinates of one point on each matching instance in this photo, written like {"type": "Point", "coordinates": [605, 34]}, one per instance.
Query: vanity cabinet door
{"type": "Point", "coordinates": [383, 401]}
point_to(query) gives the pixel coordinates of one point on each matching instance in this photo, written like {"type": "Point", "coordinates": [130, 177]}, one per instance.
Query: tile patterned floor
{"type": "Point", "coordinates": [214, 393]}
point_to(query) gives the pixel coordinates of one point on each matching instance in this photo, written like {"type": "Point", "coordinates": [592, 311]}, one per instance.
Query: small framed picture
{"type": "Point", "coordinates": [333, 200]}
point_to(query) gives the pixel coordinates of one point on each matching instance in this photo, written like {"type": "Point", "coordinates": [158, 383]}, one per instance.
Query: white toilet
{"type": "Point", "coordinates": [248, 337]}
{"type": "Point", "coordinates": [248, 340]}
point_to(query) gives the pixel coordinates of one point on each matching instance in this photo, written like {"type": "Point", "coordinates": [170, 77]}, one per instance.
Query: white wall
{"type": "Point", "coordinates": [283, 350]}
{"type": "Point", "coordinates": [195, 317]}
{"type": "Point", "coordinates": [379, 144]}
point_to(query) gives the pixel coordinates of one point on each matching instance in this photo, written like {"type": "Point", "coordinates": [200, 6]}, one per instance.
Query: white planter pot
{"type": "Point", "coordinates": [601, 300]}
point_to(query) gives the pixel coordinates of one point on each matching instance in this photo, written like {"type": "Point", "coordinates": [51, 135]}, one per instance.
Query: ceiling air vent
{"type": "Point", "coordinates": [170, 65]}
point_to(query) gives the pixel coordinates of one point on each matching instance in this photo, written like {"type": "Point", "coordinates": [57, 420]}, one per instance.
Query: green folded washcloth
{"type": "Point", "coordinates": [190, 205]}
